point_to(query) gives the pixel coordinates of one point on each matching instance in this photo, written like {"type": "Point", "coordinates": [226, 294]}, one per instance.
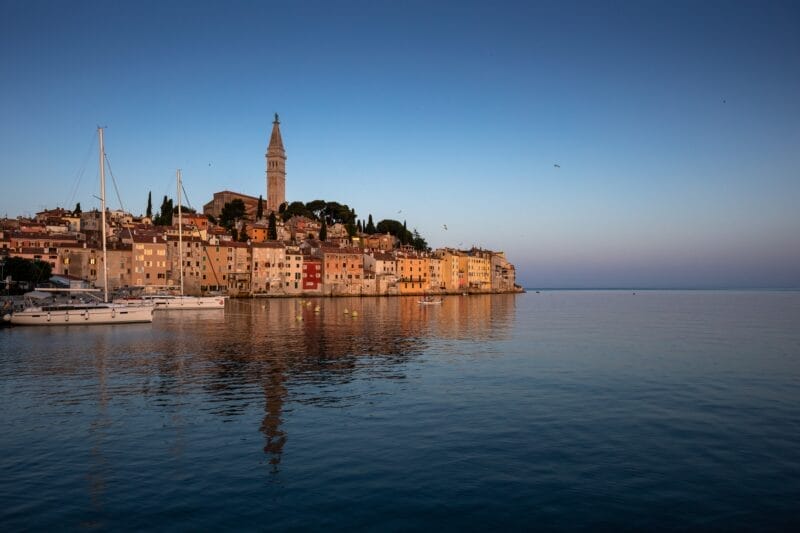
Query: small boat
{"type": "Point", "coordinates": [428, 300]}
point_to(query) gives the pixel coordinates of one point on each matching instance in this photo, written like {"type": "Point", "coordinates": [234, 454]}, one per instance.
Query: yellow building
{"type": "Point", "coordinates": [414, 271]}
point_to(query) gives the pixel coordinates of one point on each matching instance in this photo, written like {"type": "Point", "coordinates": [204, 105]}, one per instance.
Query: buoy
{"type": "Point", "coordinates": [355, 314]}
{"type": "Point", "coordinates": [299, 318]}
{"type": "Point", "coordinates": [316, 309]}
{"type": "Point", "coordinates": [346, 311]}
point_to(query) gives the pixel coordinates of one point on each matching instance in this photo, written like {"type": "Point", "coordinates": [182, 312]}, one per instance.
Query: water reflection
{"type": "Point", "coordinates": [258, 352]}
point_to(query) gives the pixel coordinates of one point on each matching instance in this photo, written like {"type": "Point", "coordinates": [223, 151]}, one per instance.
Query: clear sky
{"type": "Point", "coordinates": [676, 125]}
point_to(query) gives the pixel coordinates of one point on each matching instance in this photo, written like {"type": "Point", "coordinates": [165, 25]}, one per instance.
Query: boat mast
{"type": "Point", "coordinates": [180, 228]}
{"type": "Point", "coordinates": [103, 213]}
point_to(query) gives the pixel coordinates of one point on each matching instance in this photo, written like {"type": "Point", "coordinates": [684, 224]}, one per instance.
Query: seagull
{"type": "Point", "coordinates": [556, 165]}
{"type": "Point", "coordinates": [400, 211]}
{"type": "Point", "coordinates": [444, 226]}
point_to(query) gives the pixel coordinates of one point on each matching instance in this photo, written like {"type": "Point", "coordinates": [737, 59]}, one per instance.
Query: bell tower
{"type": "Point", "coordinates": [276, 168]}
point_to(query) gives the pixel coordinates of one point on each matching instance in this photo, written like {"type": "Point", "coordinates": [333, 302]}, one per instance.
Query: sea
{"type": "Point", "coordinates": [550, 410]}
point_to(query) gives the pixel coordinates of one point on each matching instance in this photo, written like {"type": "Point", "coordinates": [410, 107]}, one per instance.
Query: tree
{"type": "Point", "coordinates": [165, 217]}
{"type": "Point", "coordinates": [272, 229]}
{"type": "Point", "coordinates": [295, 209]}
{"type": "Point", "coordinates": [323, 231]}
{"type": "Point", "coordinates": [405, 238]}
{"type": "Point", "coordinates": [231, 213]}
{"type": "Point", "coordinates": [149, 212]}
{"type": "Point", "coordinates": [184, 209]}
{"type": "Point", "coordinates": [211, 218]}
{"type": "Point", "coordinates": [359, 228]}
{"type": "Point", "coordinates": [243, 236]}
{"type": "Point", "coordinates": [32, 271]}
{"type": "Point", "coordinates": [260, 210]}
{"type": "Point", "coordinates": [418, 242]}
{"type": "Point", "coordinates": [77, 211]}
{"type": "Point", "coordinates": [317, 207]}
{"type": "Point", "coordinates": [370, 229]}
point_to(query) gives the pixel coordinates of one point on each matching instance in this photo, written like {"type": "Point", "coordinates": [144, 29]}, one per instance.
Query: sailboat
{"type": "Point", "coordinates": [80, 312]}
{"type": "Point", "coordinates": [181, 301]}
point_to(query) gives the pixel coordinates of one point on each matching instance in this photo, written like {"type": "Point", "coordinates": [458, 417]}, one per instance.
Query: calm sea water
{"type": "Point", "coordinates": [559, 410]}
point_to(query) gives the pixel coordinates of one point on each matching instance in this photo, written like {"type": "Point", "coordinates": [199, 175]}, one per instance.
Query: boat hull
{"type": "Point", "coordinates": [82, 317]}
{"type": "Point", "coordinates": [189, 303]}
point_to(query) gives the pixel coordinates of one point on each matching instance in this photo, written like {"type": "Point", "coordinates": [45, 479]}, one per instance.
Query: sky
{"type": "Point", "coordinates": [675, 125]}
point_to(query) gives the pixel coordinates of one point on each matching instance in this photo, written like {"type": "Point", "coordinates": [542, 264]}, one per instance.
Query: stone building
{"type": "Point", "coordinates": [276, 168]}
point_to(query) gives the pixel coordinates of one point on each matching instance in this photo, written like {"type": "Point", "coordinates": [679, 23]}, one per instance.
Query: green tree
{"type": "Point", "coordinates": [77, 211]}
{"type": "Point", "coordinates": [211, 218]}
{"type": "Point", "coordinates": [149, 212]}
{"type": "Point", "coordinates": [405, 236]}
{"type": "Point", "coordinates": [295, 209]}
{"type": "Point", "coordinates": [272, 229]}
{"type": "Point", "coordinates": [243, 236]}
{"type": "Point", "coordinates": [165, 217]}
{"type": "Point", "coordinates": [359, 228]}
{"type": "Point", "coordinates": [370, 229]}
{"type": "Point", "coordinates": [32, 271]}
{"type": "Point", "coordinates": [323, 231]}
{"type": "Point", "coordinates": [231, 213]}
{"type": "Point", "coordinates": [317, 207]}
{"type": "Point", "coordinates": [418, 242]}
{"type": "Point", "coordinates": [260, 210]}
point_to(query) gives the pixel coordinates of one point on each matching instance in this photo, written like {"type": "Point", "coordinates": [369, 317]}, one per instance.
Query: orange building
{"type": "Point", "coordinates": [343, 270]}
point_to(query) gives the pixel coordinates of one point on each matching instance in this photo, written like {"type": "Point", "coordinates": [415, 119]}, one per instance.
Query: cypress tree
{"type": "Point", "coordinates": [370, 228]}
{"type": "Point", "coordinates": [149, 212]}
{"type": "Point", "coordinates": [323, 231]}
{"type": "Point", "coordinates": [260, 211]}
{"type": "Point", "coordinates": [272, 230]}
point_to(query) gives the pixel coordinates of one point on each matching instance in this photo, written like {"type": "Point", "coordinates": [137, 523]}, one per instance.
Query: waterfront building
{"type": "Point", "coordinates": [503, 273]}
{"type": "Point", "coordinates": [312, 274]}
{"type": "Point", "coordinates": [413, 270]}
{"type": "Point", "coordinates": [479, 270]}
{"type": "Point", "coordinates": [268, 259]}
{"type": "Point", "coordinates": [343, 270]}
{"type": "Point", "coordinates": [239, 274]}
{"type": "Point", "coordinates": [293, 271]}
{"type": "Point", "coordinates": [149, 262]}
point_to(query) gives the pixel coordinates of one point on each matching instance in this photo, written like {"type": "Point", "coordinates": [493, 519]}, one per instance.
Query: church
{"type": "Point", "coordinates": [276, 181]}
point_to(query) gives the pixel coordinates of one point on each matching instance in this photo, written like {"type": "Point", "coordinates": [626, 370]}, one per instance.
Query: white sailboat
{"type": "Point", "coordinates": [80, 312]}
{"type": "Point", "coordinates": [181, 301]}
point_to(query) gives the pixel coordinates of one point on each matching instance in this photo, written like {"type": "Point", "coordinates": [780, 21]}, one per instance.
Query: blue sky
{"type": "Point", "coordinates": [676, 125]}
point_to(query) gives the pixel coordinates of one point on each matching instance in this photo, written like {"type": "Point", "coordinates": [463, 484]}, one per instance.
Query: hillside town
{"type": "Point", "coordinates": [243, 248]}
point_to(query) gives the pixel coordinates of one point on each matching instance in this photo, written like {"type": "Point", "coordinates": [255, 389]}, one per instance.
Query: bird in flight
{"type": "Point", "coordinates": [556, 165]}
{"type": "Point", "coordinates": [444, 226]}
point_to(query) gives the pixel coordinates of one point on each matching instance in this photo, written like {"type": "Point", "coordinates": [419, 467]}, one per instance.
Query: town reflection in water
{"type": "Point", "coordinates": [270, 351]}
